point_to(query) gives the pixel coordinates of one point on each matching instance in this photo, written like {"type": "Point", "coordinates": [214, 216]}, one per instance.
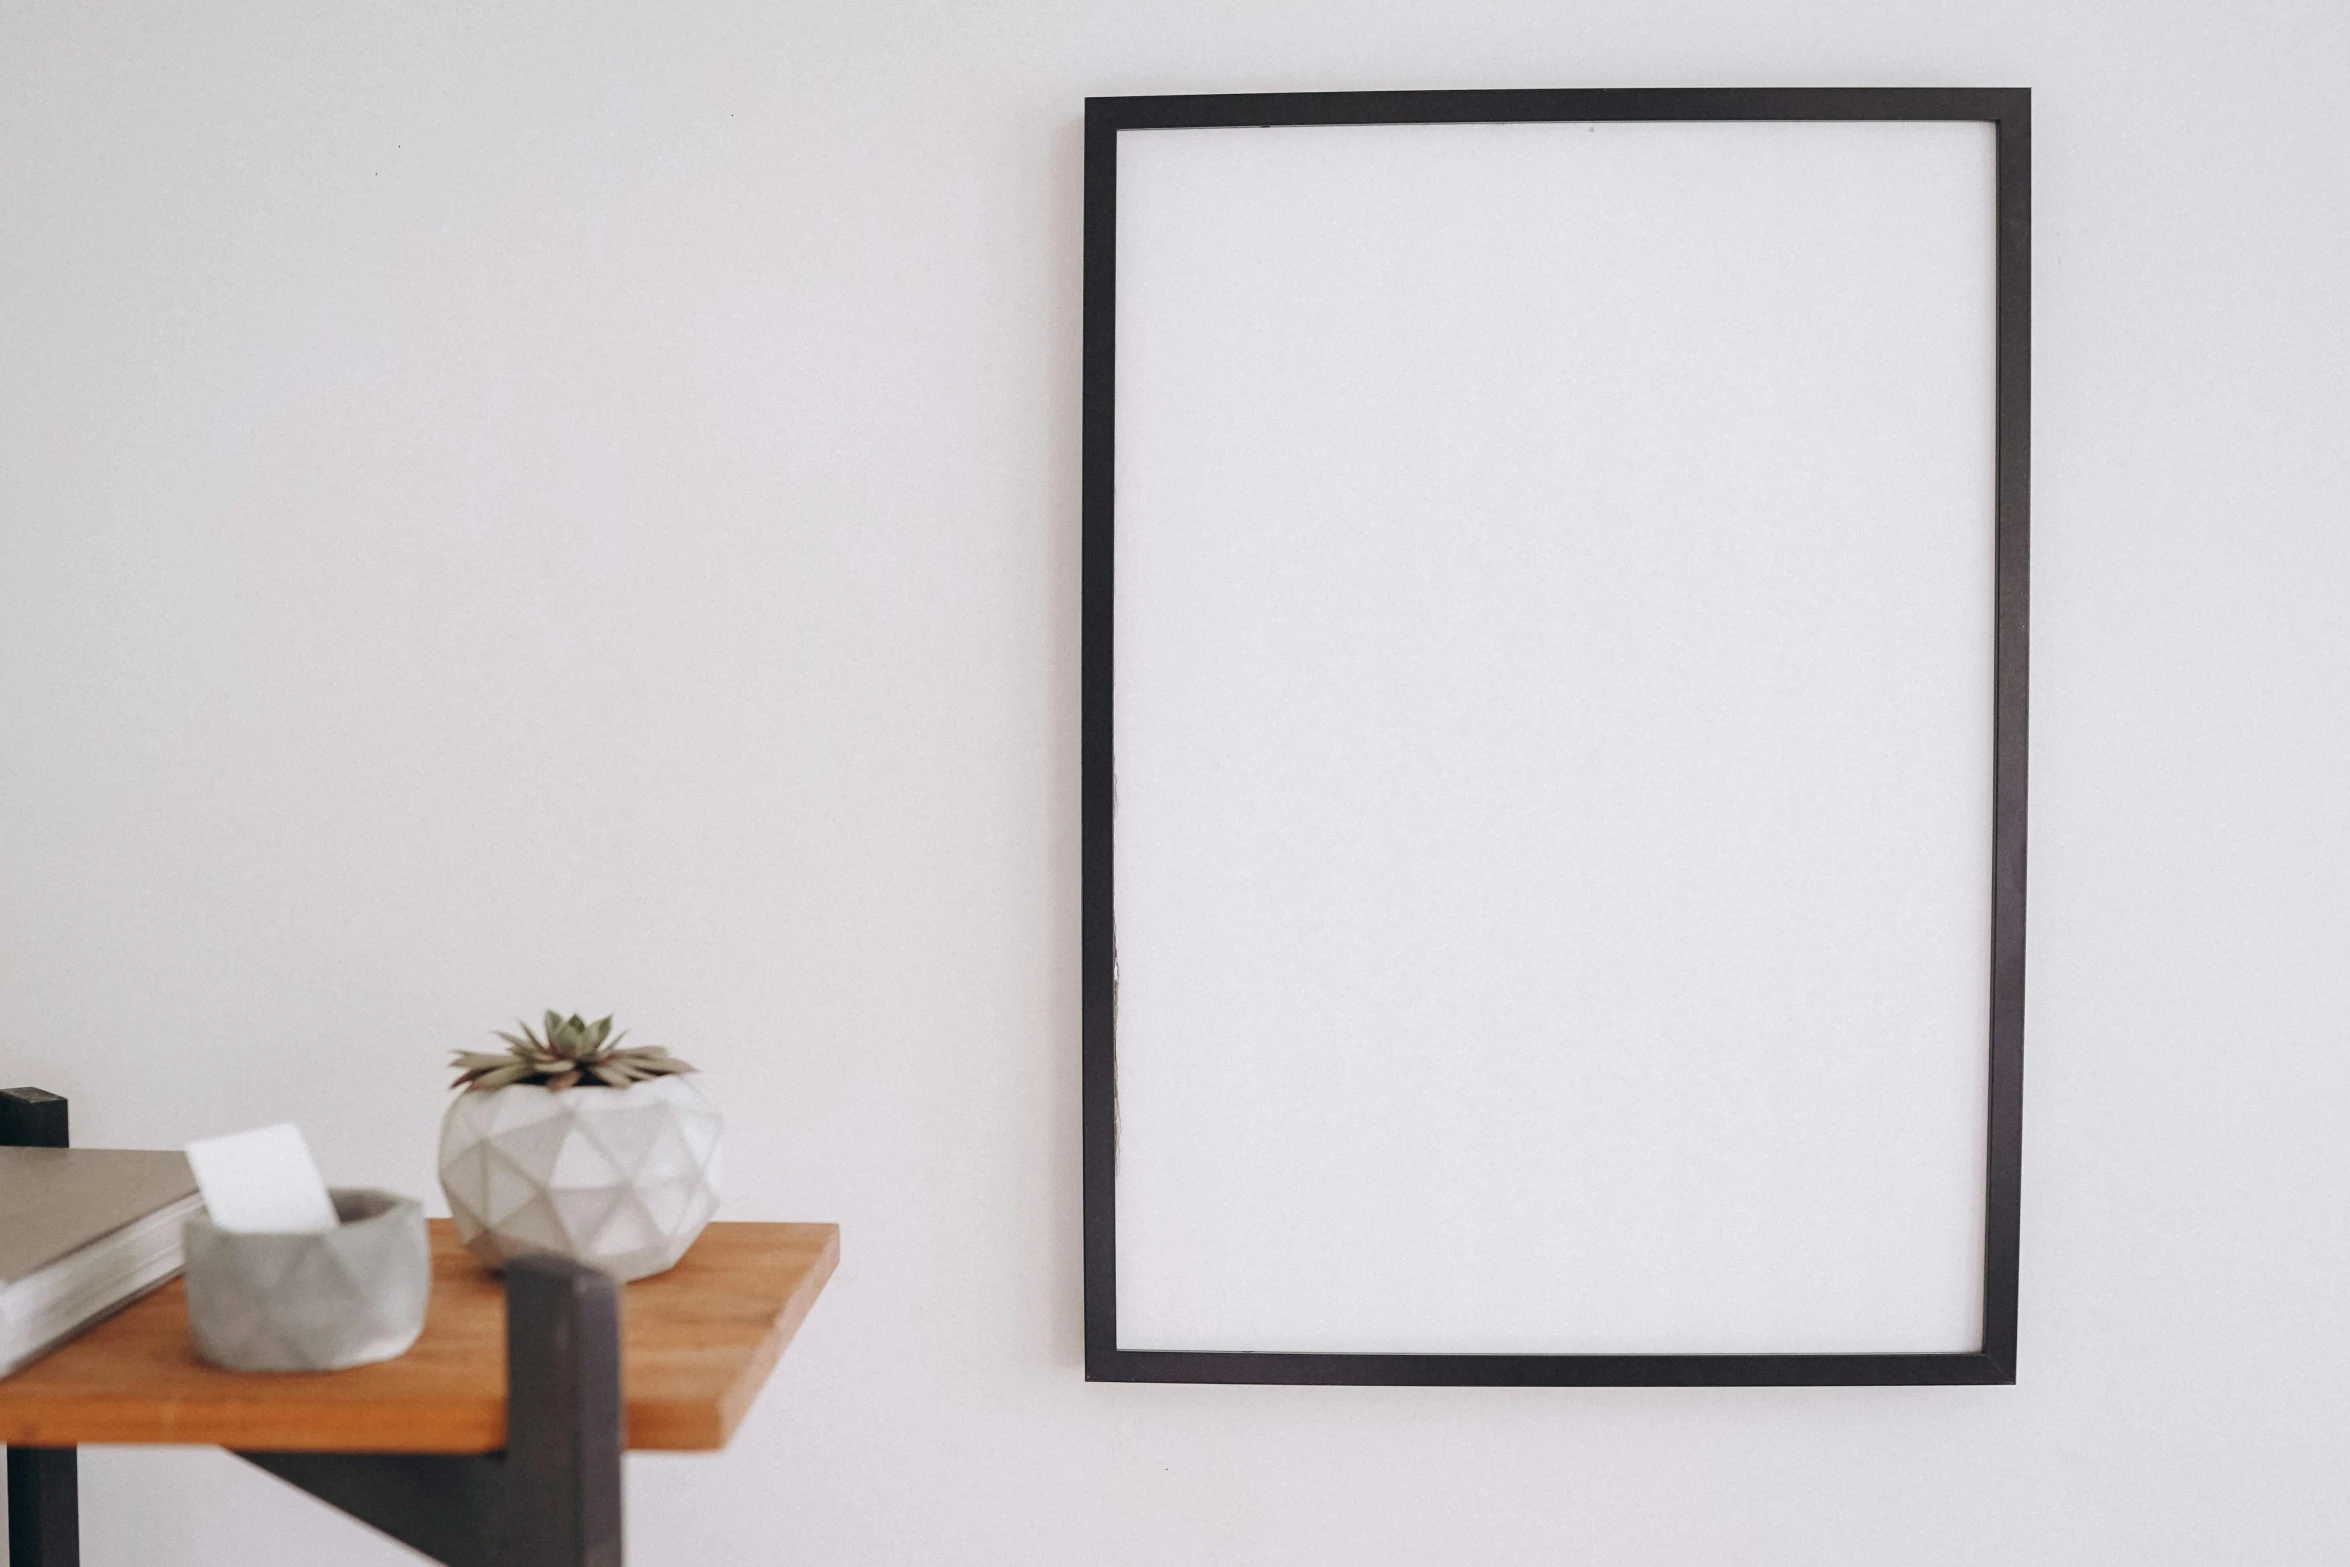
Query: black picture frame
{"type": "Point", "coordinates": [2008, 110]}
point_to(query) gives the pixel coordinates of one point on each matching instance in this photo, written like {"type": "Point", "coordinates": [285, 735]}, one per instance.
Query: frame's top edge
{"type": "Point", "coordinates": [1172, 111]}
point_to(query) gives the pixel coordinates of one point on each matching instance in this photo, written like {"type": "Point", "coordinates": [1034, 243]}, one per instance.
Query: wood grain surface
{"type": "Point", "coordinates": [697, 1343]}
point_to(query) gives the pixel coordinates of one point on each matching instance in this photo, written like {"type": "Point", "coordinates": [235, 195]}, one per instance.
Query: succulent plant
{"type": "Point", "coordinates": [567, 1052]}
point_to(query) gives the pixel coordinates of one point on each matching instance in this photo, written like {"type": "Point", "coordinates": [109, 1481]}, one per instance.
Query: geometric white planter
{"type": "Point", "coordinates": [620, 1178]}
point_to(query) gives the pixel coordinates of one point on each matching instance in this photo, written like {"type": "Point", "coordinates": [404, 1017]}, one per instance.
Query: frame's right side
{"type": "Point", "coordinates": [2002, 1205]}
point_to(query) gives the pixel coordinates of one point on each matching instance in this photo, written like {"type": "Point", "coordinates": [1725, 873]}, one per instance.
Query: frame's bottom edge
{"type": "Point", "coordinates": [1975, 1369]}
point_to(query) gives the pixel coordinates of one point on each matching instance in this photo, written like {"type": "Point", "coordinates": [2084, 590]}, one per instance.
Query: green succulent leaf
{"type": "Point", "coordinates": [564, 1052]}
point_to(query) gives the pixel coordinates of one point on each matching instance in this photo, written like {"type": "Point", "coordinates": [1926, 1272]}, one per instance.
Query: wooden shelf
{"type": "Point", "coordinates": [697, 1342]}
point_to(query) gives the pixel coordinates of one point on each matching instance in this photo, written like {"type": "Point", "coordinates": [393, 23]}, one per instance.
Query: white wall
{"type": "Point", "coordinates": [529, 504]}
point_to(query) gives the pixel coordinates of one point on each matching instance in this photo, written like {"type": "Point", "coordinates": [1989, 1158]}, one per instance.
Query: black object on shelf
{"type": "Point", "coordinates": [44, 1483]}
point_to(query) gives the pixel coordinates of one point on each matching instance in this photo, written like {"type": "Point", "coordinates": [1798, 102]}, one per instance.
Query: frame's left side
{"type": "Point", "coordinates": [1099, 955]}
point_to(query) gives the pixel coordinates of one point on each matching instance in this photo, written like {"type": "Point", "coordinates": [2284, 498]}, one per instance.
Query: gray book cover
{"type": "Point", "coordinates": [55, 1201]}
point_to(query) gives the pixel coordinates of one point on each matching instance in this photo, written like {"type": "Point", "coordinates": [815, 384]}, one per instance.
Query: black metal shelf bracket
{"type": "Point", "coordinates": [44, 1483]}
{"type": "Point", "coordinates": [551, 1499]}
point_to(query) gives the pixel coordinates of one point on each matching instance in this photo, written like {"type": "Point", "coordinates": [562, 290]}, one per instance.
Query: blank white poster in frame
{"type": "Point", "coordinates": [1554, 683]}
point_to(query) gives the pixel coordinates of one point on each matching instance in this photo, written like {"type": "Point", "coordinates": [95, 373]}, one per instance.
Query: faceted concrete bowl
{"type": "Point", "coordinates": [348, 1296]}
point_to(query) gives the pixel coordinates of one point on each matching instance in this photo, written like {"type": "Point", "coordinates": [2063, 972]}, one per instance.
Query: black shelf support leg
{"type": "Point", "coordinates": [552, 1498]}
{"type": "Point", "coordinates": [565, 1424]}
{"type": "Point", "coordinates": [44, 1485]}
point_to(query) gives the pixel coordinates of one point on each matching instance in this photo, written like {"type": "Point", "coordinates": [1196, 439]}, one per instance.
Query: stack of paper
{"type": "Point", "coordinates": [83, 1233]}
